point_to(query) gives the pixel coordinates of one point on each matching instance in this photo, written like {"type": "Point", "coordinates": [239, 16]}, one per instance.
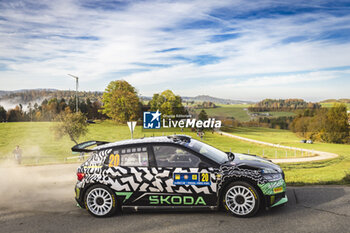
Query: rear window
{"type": "Point", "coordinates": [129, 157]}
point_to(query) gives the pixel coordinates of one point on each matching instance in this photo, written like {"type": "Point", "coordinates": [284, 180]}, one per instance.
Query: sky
{"type": "Point", "coordinates": [246, 50]}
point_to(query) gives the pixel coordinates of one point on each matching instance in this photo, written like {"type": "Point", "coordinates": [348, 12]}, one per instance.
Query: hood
{"type": "Point", "coordinates": [254, 162]}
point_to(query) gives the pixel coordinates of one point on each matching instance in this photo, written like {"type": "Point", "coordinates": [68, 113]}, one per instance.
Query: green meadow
{"type": "Point", "coordinates": [40, 146]}
{"type": "Point", "coordinates": [238, 111]}
{"type": "Point", "coordinates": [323, 172]}
{"type": "Point", "coordinates": [233, 110]}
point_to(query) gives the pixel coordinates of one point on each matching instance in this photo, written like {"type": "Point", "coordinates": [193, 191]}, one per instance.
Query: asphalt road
{"type": "Point", "coordinates": [40, 199]}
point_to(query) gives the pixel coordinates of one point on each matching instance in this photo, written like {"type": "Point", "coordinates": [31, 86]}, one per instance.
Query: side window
{"type": "Point", "coordinates": [130, 157]}
{"type": "Point", "coordinates": [171, 156]}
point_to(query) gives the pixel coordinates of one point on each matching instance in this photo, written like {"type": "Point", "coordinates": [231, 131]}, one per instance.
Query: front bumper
{"type": "Point", "coordinates": [275, 200]}
{"type": "Point", "coordinates": [274, 193]}
{"type": "Point", "coordinates": [281, 201]}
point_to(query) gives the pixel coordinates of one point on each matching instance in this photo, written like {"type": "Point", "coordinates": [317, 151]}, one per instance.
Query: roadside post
{"type": "Point", "coordinates": [132, 125]}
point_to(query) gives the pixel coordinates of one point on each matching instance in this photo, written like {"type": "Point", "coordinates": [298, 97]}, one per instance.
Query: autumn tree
{"type": "Point", "coordinates": [71, 124]}
{"type": "Point", "coordinates": [167, 103]}
{"type": "Point", "coordinates": [337, 126]}
{"type": "Point", "coordinates": [120, 101]}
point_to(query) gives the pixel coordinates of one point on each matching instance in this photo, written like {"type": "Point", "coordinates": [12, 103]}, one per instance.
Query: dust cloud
{"type": "Point", "coordinates": [36, 188]}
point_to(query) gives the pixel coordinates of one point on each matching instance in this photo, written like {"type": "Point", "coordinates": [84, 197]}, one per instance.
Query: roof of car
{"type": "Point", "coordinates": [170, 139]}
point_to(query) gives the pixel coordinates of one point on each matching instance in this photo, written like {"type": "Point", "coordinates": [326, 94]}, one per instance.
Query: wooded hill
{"type": "Point", "coordinates": [268, 105]}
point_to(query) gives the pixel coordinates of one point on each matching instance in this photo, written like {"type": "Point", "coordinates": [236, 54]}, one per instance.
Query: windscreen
{"type": "Point", "coordinates": [208, 151]}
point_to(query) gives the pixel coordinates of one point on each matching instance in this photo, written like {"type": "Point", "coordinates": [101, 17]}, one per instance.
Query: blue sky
{"type": "Point", "coordinates": [246, 50]}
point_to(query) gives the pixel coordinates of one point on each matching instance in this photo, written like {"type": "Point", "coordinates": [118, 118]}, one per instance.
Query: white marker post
{"type": "Point", "coordinates": [132, 125]}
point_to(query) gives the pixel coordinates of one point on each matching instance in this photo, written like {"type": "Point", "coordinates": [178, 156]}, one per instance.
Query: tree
{"type": "Point", "coordinates": [14, 115]}
{"type": "Point", "coordinates": [203, 116]}
{"type": "Point", "coordinates": [72, 124]}
{"type": "Point", "coordinates": [121, 102]}
{"type": "Point", "coordinates": [337, 126]}
{"type": "Point", "coordinates": [2, 114]}
{"type": "Point", "coordinates": [167, 103]}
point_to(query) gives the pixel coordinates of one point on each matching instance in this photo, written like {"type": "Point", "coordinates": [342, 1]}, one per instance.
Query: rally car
{"type": "Point", "coordinates": [175, 172]}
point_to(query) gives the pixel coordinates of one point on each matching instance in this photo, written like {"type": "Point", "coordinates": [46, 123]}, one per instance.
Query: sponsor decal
{"type": "Point", "coordinates": [271, 188]}
{"type": "Point", "coordinates": [278, 190]}
{"type": "Point", "coordinates": [125, 194]}
{"type": "Point", "coordinates": [192, 179]}
{"type": "Point", "coordinates": [175, 200]}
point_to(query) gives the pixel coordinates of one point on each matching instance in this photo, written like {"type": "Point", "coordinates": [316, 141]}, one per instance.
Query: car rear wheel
{"type": "Point", "coordinates": [100, 201]}
{"type": "Point", "coordinates": [241, 199]}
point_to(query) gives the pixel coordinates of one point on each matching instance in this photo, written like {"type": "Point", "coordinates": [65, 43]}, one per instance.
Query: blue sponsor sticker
{"type": "Point", "coordinates": [191, 179]}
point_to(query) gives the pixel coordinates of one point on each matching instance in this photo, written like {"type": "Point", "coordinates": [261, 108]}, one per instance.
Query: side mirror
{"type": "Point", "coordinates": [231, 155]}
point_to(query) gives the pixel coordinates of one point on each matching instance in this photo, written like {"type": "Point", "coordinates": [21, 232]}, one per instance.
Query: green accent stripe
{"type": "Point", "coordinates": [267, 188]}
{"type": "Point", "coordinates": [283, 200]}
{"type": "Point", "coordinates": [126, 194]}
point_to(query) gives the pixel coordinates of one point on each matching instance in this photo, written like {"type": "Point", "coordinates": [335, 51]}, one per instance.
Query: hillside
{"type": "Point", "coordinates": [207, 98]}
{"type": "Point", "coordinates": [9, 99]}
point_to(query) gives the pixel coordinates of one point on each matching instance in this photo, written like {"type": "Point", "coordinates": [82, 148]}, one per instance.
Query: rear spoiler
{"type": "Point", "coordinates": [81, 147]}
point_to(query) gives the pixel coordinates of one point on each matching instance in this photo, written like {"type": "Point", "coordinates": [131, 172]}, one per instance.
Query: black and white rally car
{"type": "Point", "coordinates": [175, 172]}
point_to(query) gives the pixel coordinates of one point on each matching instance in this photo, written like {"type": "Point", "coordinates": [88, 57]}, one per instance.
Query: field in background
{"type": "Point", "coordinates": [233, 110]}
{"type": "Point", "coordinates": [39, 145]}
{"type": "Point", "coordinates": [330, 104]}
{"type": "Point", "coordinates": [280, 114]}
{"type": "Point", "coordinates": [331, 171]}
{"type": "Point", "coordinates": [238, 111]}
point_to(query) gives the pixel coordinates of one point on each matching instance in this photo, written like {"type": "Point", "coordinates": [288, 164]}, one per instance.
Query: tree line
{"type": "Point", "coordinates": [26, 96]}
{"type": "Point", "coordinates": [48, 110]}
{"type": "Point", "coordinates": [120, 102]}
{"type": "Point", "coordinates": [325, 124]}
{"type": "Point", "coordinates": [273, 105]}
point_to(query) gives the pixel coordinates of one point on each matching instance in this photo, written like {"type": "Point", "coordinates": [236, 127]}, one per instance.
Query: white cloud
{"type": "Point", "coordinates": [41, 41]}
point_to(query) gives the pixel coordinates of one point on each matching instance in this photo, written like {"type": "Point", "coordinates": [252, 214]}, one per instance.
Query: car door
{"type": "Point", "coordinates": [130, 174]}
{"type": "Point", "coordinates": [184, 177]}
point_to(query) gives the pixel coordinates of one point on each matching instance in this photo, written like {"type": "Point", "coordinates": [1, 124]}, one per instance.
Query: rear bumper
{"type": "Point", "coordinates": [79, 197]}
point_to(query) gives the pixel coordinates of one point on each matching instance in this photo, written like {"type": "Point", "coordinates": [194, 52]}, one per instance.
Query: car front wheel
{"type": "Point", "coordinates": [241, 199]}
{"type": "Point", "coordinates": [100, 201]}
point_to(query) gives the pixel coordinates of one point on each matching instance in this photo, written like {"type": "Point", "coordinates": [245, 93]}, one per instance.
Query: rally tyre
{"type": "Point", "coordinates": [100, 201]}
{"type": "Point", "coordinates": [241, 199]}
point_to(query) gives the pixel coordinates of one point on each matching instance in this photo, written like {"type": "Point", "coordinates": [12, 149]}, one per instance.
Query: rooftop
{"type": "Point", "coordinates": [173, 138]}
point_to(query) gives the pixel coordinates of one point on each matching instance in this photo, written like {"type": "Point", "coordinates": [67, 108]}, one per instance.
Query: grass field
{"type": "Point", "coordinates": [332, 171]}
{"type": "Point", "coordinates": [37, 141]}
{"type": "Point", "coordinates": [238, 111]}
{"type": "Point", "coordinates": [40, 146]}
{"type": "Point", "coordinates": [330, 104]}
{"type": "Point", "coordinates": [234, 110]}
{"type": "Point", "coordinates": [281, 114]}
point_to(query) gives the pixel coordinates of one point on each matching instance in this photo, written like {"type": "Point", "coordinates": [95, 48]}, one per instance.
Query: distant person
{"type": "Point", "coordinates": [18, 154]}
{"type": "Point", "coordinates": [202, 135]}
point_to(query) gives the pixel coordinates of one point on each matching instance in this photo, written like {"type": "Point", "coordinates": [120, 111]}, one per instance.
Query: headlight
{"type": "Point", "coordinates": [269, 171]}
{"type": "Point", "coordinates": [271, 174]}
